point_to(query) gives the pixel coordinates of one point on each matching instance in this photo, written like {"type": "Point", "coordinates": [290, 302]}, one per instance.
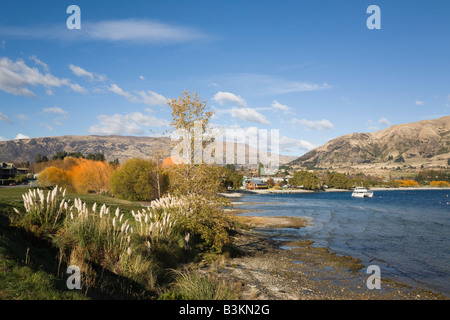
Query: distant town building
{"type": "Point", "coordinates": [7, 170]}
{"type": "Point", "coordinates": [256, 184]}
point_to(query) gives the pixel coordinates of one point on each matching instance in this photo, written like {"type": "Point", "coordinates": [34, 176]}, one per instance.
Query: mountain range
{"type": "Point", "coordinates": [112, 147]}
{"type": "Point", "coordinates": [419, 144]}
{"type": "Point", "coordinates": [424, 143]}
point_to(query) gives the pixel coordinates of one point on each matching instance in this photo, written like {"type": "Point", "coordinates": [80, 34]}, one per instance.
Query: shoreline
{"type": "Point", "coordinates": [269, 269]}
{"type": "Point", "coordinates": [239, 193]}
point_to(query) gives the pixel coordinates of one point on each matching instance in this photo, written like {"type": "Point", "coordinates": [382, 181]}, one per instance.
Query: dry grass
{"type": "Point", "coordinates": [192, 285]}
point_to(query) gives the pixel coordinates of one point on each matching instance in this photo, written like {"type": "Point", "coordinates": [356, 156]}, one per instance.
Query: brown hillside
{"type": "Point", "coordinates": [112, 147]}
{"type": "Point", "coordinates": [415, 144]}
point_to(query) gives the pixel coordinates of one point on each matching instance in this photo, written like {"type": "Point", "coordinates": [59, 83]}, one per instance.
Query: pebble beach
{"type": "Point", "coordinates": [267, 269]}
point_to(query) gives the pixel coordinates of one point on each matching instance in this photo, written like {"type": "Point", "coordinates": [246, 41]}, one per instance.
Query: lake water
{"type": "Point", "coordinates": [405, 232]}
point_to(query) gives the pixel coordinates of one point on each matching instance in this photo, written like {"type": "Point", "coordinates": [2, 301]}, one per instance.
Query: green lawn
{"type": "Point", "coordinates": [11, 197]}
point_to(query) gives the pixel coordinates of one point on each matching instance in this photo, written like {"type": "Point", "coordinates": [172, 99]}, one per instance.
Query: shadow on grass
{"type": "Point", "coordinates": [23, 249]}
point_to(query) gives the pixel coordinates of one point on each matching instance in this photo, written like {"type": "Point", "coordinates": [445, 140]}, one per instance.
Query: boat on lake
{"type": "Point", "coordinates": [361, 192]}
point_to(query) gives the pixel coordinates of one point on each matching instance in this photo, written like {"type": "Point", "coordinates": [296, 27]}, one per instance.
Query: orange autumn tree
{"type": "Point", "coordinates": [53, 176]}
{"type": "Point", "coordinates": [77, 175]}
{"type": "Point", "coordinates": [66, 164]}
{"type": "Point", "coordinates": [91, 176]}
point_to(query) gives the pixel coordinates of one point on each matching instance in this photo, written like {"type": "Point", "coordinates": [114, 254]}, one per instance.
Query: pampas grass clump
{"type": "Point", "coordinates": [44, 213]}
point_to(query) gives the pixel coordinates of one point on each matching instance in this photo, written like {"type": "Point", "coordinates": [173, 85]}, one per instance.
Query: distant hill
{"type": "Point", "coordinates": [419, 143]}
{"type": "Point", "coordinates": [112, 147]}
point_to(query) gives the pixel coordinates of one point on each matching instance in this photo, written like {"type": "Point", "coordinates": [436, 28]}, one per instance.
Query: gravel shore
{"type": "Point", "coordinates": [267, 269]}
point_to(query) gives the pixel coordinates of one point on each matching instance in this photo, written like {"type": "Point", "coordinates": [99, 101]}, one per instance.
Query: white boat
{"type": "Point", "coordinates": [361, 192]}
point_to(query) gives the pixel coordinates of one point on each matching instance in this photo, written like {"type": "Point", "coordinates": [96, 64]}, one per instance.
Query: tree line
{"type": "Point", "coordinates": [311, 181]}
{"type": "Point", "coordinates": [61, 155]}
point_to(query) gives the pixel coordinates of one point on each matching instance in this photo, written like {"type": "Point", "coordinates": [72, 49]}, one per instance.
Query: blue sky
{"type": "Point", "coordinates": [311, 69]}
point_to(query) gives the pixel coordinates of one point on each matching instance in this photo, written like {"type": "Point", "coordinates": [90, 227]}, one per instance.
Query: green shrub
{"type": "Point", "coordinates": [308, 180]}
{"type": "Point", "coordinates": [138, 180]}
{"type": "Point", "coordinates": [205, 219]}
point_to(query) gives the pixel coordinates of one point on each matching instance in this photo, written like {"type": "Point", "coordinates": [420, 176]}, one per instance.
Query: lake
{"type": "Point", "coordinates": [405, 232]}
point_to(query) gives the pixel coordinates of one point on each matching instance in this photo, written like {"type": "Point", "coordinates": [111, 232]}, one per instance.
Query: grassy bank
{"type": "Point", "coordinates": [115, 264]}
{"type": "Point", "coordinates": [28, 269]}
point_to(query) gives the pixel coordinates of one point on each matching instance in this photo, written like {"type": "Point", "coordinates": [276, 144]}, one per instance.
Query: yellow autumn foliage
{"type": "Point", "coordinates": [408, 183]}
{"type": "Point", "coordinates": [53, 176]}
{"type": "Point", "coordinates": [78, 175]}
{"type": "Point", "coordinates": [440, 184]}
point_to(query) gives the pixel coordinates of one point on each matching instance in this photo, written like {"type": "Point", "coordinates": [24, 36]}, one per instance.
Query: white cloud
{"type": "Point", "coordinates": [144, 31]}
{"type": "Point", "coordinates": [296, 86]}
{"type": "Point", "coordinates": [21, 136]}
{"type": "Point", "coordinates": [280, 106]}
{"type": "Point", "coordinates": [222, 97]}
{"type": "Point", "coordinates": [127, 30]}
{"type": "Point", "coordinates": [117, 90]}
{"type": "Point", "coordinates": [80, 72]}
{"type": "Point", "coordinates": [148, 97]}
{"type": "Point", "coordinates": [287, 144]}
{"type": "Point", "coordinates": [4, 117]}
{"type": "Point", "coordinates": [40, 63]}
{"type": "Point", "coordinates": [3, 139]}
{"type": "Point", "coordinates": [373, 128]}
{"type": "Point", "coordinates": [132, 123]}
{"type": "Point", "coordinates": [57, 110]}
{"type": "Point", "coordinates": [384, 121]}
{"type": "Point", "coordinates": [250, 83]}
{"type": "Point", "coordinates": [152, 98]}
{"type": "Point", "coordinates": [77, 88]}
{"type": "Point", "coordinates": [141, 77]}
{"type": "Point", "coordinates": [250, 115]}
{"type": "Point", "coordinates": [419, 102]}
{"type": "Point", "coordinates": [251, 134]}
{"type": "Point", "coordinates": [16, 77]}
{"type": "Point", "coordinates": [315, 125]}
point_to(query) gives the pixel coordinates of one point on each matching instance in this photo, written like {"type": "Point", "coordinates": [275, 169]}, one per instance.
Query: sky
{"type": "Point", "coordinates": [311, 69]}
